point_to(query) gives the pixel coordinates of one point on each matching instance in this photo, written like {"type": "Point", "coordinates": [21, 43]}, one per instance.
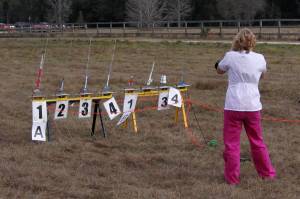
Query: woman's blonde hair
{"type": "Point", "coordinates": [244, 40]}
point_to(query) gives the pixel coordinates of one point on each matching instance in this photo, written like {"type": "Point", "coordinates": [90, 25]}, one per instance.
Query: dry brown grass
{"type": "Point", "coordinates": [159, 161]}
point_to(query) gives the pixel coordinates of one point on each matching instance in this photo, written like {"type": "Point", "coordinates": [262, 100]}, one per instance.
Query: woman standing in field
{"type": "Point", "coordinates": [242, 106]}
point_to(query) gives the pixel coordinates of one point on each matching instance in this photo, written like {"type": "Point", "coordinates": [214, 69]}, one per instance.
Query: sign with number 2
{"type": "Point", "coordinates": [61, 110]}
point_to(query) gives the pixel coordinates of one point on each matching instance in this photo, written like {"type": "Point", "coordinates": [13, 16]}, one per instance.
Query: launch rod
{"type": "Point", "coordinates": [40, 70]}
{"type": "Point", "coordinates": [111, 64]}
{"type": "Point", "coordinates": [87, 65]}
{"type": "Point", "coordinates": [150, 76]}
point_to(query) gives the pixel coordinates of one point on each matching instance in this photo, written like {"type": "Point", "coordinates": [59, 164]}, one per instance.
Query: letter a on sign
{"type": "Point", "coordinates": [39, 131]}
{"type": "Point", "coordinates": [175, 98]}
{"type": "Point", "coordinates": [112, 108]}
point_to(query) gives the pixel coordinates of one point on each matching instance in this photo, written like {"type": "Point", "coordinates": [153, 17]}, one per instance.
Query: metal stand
{"type": "Point", "coordinates": [96, 109]}
{"type": "Point", "coordinates": [48, 127]}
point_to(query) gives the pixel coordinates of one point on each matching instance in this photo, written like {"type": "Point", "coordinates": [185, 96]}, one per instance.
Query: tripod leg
{"type": "Point", "coordinates": [48, 128]}
{"type": "Point", "coordinates": [102, 123]}
{"type": "Point", "coordinates": [94, 117]}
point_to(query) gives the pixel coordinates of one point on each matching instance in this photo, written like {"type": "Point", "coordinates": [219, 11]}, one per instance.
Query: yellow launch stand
{"type": "Point", "coordinates": [87, 96]}
{"type": "Point", "coordinates": [129, 91]}
{"type": "Point", "coordinates": [183, 89]}
{"type": "Point", "coordinates": [154, 92]}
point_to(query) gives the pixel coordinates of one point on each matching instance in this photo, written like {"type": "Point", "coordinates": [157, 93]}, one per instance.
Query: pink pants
{"type": "Point", "coordinates": [233, 121]}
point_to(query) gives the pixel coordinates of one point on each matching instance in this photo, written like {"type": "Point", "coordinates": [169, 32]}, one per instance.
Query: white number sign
{"type": "Point", "coordinates": [124, 118]}
{"type": "Point", "coordinates": [129, 102]}
{"type": "Point", "coordinates": [39, 111]}
{"type": "Point", "coordinates": [175, 98]}
{"type": "Point", "coordinates": [163, 101]}
{"type": "Point", "coordinates": [85, 107]}
{"type": "Point", "coordinates": [38, 132]}
{"type": "Point", "coordinates": [61, 110]}
{"type": "Point", "coordinates": [112, 108]}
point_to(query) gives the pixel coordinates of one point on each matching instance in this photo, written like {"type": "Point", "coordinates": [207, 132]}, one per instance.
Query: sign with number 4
{"type": "Point", "coordinates": [112, 108]}
{"type": "Point", "coordinates": [61, 110]}
{"type": "Point", "coordinates": [85, 107]}
{"type": "Point", "coordinates": [175, 98]}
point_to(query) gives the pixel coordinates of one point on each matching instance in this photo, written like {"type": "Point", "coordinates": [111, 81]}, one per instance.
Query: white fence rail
{"type": "Point", "coordinates": [282, 29]}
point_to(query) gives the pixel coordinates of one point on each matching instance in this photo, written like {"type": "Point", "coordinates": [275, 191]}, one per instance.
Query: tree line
{"type": "Point", "coordinates": [144, 11]}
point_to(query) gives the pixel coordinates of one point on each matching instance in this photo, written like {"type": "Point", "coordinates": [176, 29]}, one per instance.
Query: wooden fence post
{"type": "Point", "coordinates": [202, 28]}
{"type": "Point", "coordinates": [152, 29]}
{"type": "Point", "coordinates": [260, 29]}
{"type": "Point", "coordinates": [221, 27]}
{"type": "Point", "coordinates": [279, 30]}
{"type": "Point", "coordinates": [110, 28]}
{"type": "Point", "coordinates": [124, 28]}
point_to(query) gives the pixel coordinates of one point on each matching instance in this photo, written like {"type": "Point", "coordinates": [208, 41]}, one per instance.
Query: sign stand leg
{"type": "Point", "coordinates": [176, 115]}
{"type": "Point", "coordinates": [94, 118]}
{"type": "Point", "coordinates": [101, 121]}
{"type": "Point", "coordinates": [184, 115]}
{"type": "Point", "coordinates": [96, 109]}
{"type": "Point", "coordinates": [48, 128]}
{"type": "Point", "coordinates": [134, 122]}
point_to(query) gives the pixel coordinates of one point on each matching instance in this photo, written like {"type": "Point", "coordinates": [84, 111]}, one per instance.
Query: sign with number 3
{"type": "Point", "coordinates": [163, 101]}
{"type": "Point", "coordinates": [85, 107]}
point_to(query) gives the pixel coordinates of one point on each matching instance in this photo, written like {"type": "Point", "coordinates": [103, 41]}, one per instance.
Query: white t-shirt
{"type": "Point", "coordinates": [244, 71]}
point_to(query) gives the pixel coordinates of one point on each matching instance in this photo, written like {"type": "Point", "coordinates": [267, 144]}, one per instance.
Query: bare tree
{"type": "Point", "coordinates": [178, 10]}
{"type": "Point", "coordinates": [60, 10]}
{"type": "Point", "coordinates": [240, 9]}
{"type": "Point", "coordinates": [145, 11]}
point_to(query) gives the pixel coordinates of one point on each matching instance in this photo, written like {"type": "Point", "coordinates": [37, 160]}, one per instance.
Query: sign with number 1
{"type": "Point", "coordinates": [129, 102]}
{"type": "Point", "coordinates": [39, 111]}
{"type": "Point", "coordinates": [39, 120]}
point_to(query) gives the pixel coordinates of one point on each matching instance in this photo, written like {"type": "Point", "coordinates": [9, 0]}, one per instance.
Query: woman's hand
{"type": "Point", "coordinates": [217, 64]}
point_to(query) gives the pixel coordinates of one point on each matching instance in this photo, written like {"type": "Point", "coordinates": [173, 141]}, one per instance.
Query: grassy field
{"type": "Point", "coordinates": [158, 162]}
